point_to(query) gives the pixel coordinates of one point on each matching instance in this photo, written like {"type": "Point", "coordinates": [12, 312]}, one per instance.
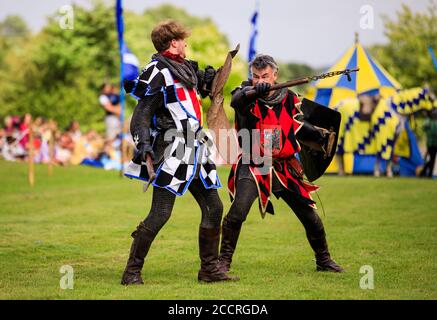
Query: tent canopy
{"type": "Point", "coordinates": [371, 79]}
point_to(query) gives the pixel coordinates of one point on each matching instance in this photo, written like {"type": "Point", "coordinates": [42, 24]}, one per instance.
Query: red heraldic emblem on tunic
{"type": "Point", "coordinates": [277, 127]}
{"type": "Point", "coordinates": [189, 95]}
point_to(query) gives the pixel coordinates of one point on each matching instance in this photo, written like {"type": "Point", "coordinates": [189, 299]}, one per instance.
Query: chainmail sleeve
{"type": "Point", "coordinates": [142, 120]}
{"type": "Point", "coordinates": [148, 91]}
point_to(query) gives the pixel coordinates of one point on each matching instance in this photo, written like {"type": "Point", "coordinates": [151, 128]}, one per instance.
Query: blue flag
{"type": "Point", "coordinates": [128, 67]}
{"type": "Point", "coordinates": [129, 62]}
{"type": "Point", "coordinates": [252, 43]}
{"type": "Point", "coordinates": [120, 23]}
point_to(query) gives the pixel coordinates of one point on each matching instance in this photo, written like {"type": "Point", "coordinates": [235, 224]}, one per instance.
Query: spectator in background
{"type": "Point", "coordinates": [110, 155]}
{"type": "Point", "coordinates": [430, 128]}
{"type": "Point", "coordinates": [87, 148]}
{"type": "Point", "coordinates": [74, 130]}
{"type": "Point", "coordinates": [115, 95]}
{"type": "Point", "coordinates": [110, 101]}
{"type": "Point", "coordinates": [69, 146]}
{"type": "Point", "coordinates": [24, 130]}
{"type": "Point", "coordinates": [64, 149]}
{"type": "Point", "coordinates": [14, 149]}
{"type": "Point", "coordinates": [9, 125]}
{"type": "Point", "coordinates": [11, 150]}
{"type": "Point", "coordinates": [42, 139]}
{"type": "Point", "coordinates": [2, 138]}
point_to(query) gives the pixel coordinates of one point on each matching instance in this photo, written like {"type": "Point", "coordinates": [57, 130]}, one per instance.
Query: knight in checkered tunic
{"type": "Point", "coordinates": [278, 120]}
{"type": "Point", "coordinates": [167, 126]}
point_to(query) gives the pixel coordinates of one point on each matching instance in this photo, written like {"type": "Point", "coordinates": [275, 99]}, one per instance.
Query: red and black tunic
{"type": "Point", "coordinates": [277, 127]}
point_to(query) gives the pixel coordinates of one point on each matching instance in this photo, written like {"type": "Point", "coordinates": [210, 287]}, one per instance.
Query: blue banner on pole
{"type": "Point", "coordinates": [254, 35]}
{"type": "Point", "coordinates": [120, 23]}
{"type": "Point", "coordinates": [130, 64]}
{"type": "Point", "coordinates": [120, 31]}
{"type": "Point", "coordinates": [128, 61]}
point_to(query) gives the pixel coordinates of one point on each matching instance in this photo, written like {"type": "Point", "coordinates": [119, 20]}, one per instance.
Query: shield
{"type": "Point", "coordinates": [316, 156]}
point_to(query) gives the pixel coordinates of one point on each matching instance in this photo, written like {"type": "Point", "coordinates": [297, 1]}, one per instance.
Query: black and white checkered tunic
{"type": "Point", "coordinates": [178, 168]}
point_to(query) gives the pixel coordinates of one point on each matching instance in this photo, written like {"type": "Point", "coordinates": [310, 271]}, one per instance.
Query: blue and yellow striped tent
{"type": "Point", "coordinates": [371, 79]}
{"type": "Point", "coordinates": [386, 135]}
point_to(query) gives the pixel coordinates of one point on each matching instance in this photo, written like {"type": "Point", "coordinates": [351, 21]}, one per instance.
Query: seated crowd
{"type": "Point", "coordinates": [52, 145]}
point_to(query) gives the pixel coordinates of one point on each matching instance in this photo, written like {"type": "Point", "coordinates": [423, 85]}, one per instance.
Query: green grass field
{"type": "Point", "coordinates": [83, 217]}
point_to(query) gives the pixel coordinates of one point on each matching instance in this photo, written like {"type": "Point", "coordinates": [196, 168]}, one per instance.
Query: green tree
{"type": "Point", "coordinates": [290, 71]}
{"type": "Point", "coordinates": [58, 72]}
{"type": "Point", "coordinates": [406, 55]}
{"type": "Point", "coordinates": [13, 33]}
{"type": "Point", "coordinates": [13, 26]}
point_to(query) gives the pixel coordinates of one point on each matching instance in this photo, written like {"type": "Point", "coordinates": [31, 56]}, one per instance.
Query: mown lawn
{"type": "Point", "coordinates": [83, 217]}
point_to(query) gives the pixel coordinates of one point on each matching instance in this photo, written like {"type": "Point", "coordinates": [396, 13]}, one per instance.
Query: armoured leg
{"type": "Point", "coordinates": [323, 258]}
{"type": "Point", "coordinates": [208, 251]}
{"type": "Point", "coordinates": [143, 236]}
{"type": "Point", "coordinates": [315, 232]}
{"type": "Point", "coordinates": [230, 234]}
{"type": "Point", "coordinates": [209, 232]}
{"type": "Point", "coordinates": [143, 239]}
{"type": "Point", "coordinates": [245, 196]}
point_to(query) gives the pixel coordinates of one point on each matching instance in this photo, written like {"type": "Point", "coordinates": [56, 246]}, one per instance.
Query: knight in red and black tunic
{"type": "Point", "coordinates": [273, 118]}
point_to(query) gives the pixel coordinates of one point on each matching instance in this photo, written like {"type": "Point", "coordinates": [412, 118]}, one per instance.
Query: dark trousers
{"type": "Point", "coordinates": [247, 193]}
{"type": "Point", "coordinates": [163, 201]}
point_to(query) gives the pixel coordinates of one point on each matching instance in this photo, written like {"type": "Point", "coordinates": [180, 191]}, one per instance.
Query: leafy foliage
{"type": "Point", "coordinates": [290, 71]}
{"type": "Point", "coordinates": [406, 55]}
{"type": "Point", "coordinates": [13, 26]}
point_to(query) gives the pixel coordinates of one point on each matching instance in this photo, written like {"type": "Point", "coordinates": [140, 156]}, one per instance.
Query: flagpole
{"type": "Point", "coordinates": [120, 29]}
{"type": "Point", "coordinates": [122, 105]}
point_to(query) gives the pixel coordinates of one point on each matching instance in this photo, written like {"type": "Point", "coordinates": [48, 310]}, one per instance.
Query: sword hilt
{"type": "Point", "coordinates": [150, 172]}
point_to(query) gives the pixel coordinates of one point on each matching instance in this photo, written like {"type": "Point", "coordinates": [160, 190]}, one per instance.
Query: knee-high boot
{"type": "Point", "coordinates": [230, 234]}
{"type": "Point", "coordinates": [143, 239]}
{"type": "Point", "coordinates": [209, 239]}
{"type": "Point", "coordinates": [323, 258]}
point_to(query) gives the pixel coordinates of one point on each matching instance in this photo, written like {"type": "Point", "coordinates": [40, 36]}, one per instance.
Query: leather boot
{"type": "Point", "coordinates": [230, 236]}
{"type": "Point", "coordinates": [323, 258]}
{"type": "Point", "coordinates": [143, 238]}
{"type": "Point", "coordinates": [208, 252]}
